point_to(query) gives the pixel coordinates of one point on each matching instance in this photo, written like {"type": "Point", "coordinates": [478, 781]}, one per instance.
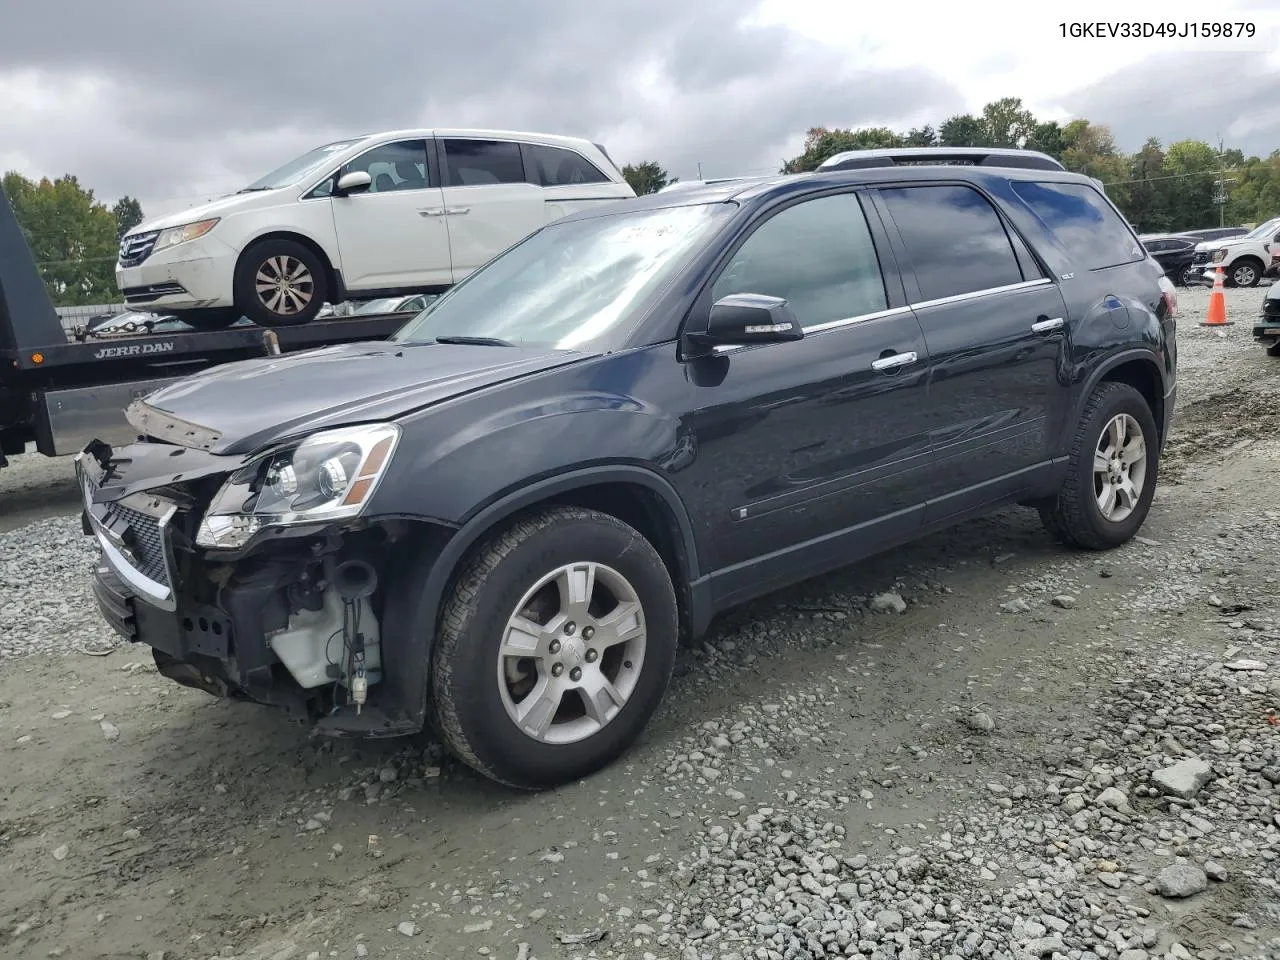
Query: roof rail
{"type": "Point", "coordinates": [977, 156]}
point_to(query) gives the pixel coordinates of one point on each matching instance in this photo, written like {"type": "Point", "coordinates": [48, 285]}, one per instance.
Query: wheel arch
{"type": "Point", "coordinates": [1140, 370]}
{"type": "Point", "coordinates": [332, 279]}
{"type": "Point", "coordinates": [635, 495]}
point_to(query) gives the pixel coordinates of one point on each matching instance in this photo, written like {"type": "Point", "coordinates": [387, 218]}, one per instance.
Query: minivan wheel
{"type": "Point", "coordinates": [280, 283]}
{"type": "Point", "coordinates": [1245, 273]}
{"type": "Point", "coordinates": [555, 649]}
{"type": "Point", "coordinates": [1111, 476]}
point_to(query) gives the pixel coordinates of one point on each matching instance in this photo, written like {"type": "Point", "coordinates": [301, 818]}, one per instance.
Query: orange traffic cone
{"type": "Point", "coordinates": [1217, 304]}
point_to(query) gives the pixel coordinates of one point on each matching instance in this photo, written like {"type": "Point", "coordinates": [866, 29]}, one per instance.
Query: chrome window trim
{"type": "Point", "coordinates": [897, 311]}
{"type": "Point", "coordinates": [825, 326]}
{"type": "Point", "coordinates": [986, 292]}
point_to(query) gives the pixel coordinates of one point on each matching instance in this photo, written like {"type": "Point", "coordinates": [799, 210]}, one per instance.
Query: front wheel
{"type": "Point", "coordinates": [555, 648]}
{"type": "Point", "coordinates": [1245, 273]}
{"type": "Point", "coordinates": [280, 283]}
{"type": "Point", "coordinates": [1111, 476]}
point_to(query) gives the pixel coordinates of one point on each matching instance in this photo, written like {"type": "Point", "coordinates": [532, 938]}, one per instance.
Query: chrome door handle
{"type": "Point", "coordinates": [458, 210]}
{"type": "Point", "coordinates": [897, 360]}
{"type": "Point", "coordinates": [1044, 326]}
{"type": "Point", "coordinates": [437, 212]}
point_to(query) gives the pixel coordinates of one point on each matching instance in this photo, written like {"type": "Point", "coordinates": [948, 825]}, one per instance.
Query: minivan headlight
{"type": "Point", "coordinates": [328, 476]}
{"type": "Point", "coordinates": [173, 236]}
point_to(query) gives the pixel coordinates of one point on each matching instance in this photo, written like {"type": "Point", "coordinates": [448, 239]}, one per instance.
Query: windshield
{"type": "Point", "coordinates": [571, 282]}
{"type": "Point", "coordinates": [311, 162]}
{"type": "Point", "coordinates": [1263, 229]}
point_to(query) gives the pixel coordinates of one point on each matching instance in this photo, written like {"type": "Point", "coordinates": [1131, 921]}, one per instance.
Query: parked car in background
{"type": "Point", "coordinates": [388, 214]}
{"type": "Point", "coordinates": [1172, 251]}
{"type": "Point", "coordinates": [410, 304]}
{"type": "Point", "coordinates": [1215, 233]}
{"type": "Point", "coordinates": [1267, 329]}
{"type": "Point", "coordinates": [1244, 260]}
{"type": "Point", "coordinates": [509, 516]}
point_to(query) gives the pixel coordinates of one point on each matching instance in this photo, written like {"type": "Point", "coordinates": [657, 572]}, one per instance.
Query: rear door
{"type": "Point", "coordinates": [488, 203]}
{"type": "Point", "coordinates": [996, 330]}
{"type": "Point", "coordinates": [569, 181]}
{"type": "Point", "coordinates": [393, 235]}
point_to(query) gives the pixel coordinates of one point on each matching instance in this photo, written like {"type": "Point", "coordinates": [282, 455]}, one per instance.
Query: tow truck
{"type": "Point", "coordinates": [60, 390]}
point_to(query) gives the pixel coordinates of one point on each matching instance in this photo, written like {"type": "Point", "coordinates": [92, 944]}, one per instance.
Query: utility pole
{"type": "Point", "coordinates": [1220, 185]}
{"type": "Point", "coordinates": [699, 169]}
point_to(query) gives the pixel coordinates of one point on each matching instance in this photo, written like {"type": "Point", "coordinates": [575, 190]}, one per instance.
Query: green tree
{"type": "Point", "coordinates": [965, 130]}
{"type": "Point", "coordinates": [647, 177]}
{"type": "Point", "coordinates": [1147, 198]}
{"type": "Point", "coordinates": [128, 214]}
{"type": "Point", "coordinates": [1007, 123]}
{"type": "Point", "coordinates": [1192, 170]}
{"type": "Point", "coordinates": [924, 136]}
{"type": "Point", "coordinates": [1157, 189]}
{"type": "Point", "coordinates": [71, 235]}
{"type": "Point", "coordinates": [821, 144]}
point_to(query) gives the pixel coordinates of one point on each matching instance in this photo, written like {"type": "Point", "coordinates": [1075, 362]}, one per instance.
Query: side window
{"type": "Point", "coordinates": [955, 238]}
{"type": "Point", "coordinates": [475, 162]}
{"type": "Point", "coordinates": [818, 255]}
{"type": "Point", "coordinates": [1157, 246]}
{"type": "Point", "coordinates": [401, 165]}
{"type": "Point", "coordinates": [554, 167]}
{"type": "Point", "coordinates": [1084, 223]}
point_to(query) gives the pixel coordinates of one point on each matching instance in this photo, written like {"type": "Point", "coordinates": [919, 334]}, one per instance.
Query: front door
{"type": "Point", "coordinates": [809, 452]}
{"type": "Point", "coordinates": [996, 329]}
{"type": "Point", "coordinates": [393, 235]}
{"type": "Point", "coordinates": [489, 204]}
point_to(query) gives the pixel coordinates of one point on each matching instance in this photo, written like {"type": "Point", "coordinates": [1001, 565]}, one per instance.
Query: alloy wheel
{"type": "Point", "coordinates": [572, 653]}
{"type": "Point", "coordinates": [284, 285]}
{"type": "Point", "coordinates": [1119, 468]}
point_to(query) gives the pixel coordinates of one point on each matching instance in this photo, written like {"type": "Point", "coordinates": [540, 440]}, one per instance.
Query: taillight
{"type": "Point", "coordinates": [1169, 294]}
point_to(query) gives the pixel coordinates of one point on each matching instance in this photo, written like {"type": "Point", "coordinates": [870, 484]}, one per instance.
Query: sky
{"type": "Point", "coordinates": [175, 103]}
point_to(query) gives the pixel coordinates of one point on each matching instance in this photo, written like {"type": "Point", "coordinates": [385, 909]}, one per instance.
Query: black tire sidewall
{"type": "Point", "coordinates": [1120, 399]}
{"type": "Point", "coordinates": [507, 752]}
{"type": "Point", "coordinates": [1257, 274]}
{"type": "Point", "coordinates": [246, 298]}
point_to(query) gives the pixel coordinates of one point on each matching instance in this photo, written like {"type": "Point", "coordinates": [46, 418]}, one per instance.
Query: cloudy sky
{"type": "Point", "coordinates": [175, 102]}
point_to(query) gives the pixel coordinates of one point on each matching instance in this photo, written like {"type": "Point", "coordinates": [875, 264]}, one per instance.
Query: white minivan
{"type": "Point", "coordinates": [407, 211]}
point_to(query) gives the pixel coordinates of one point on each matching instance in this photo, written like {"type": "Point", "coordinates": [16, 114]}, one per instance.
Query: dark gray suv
{"type": "Point", "coordinates": [503, 520]}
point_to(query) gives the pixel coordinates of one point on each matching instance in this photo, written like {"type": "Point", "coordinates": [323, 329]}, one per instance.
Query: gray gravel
{"type": "Point", "coordinates": [46, 604]}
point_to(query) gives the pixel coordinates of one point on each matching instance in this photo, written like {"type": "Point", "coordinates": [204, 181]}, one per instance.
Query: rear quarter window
{"type": "Point", "coordinates": [1083, 221]}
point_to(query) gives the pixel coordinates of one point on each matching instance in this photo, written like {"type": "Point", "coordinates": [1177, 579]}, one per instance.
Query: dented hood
{"type": "Point", "coordinates": [241, 407]}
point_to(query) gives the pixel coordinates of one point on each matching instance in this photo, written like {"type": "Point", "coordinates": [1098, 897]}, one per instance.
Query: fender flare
{"type": "Point", "coordinates": [440, 567]}
{"type": "Point", "coordinates": [1111, 363]}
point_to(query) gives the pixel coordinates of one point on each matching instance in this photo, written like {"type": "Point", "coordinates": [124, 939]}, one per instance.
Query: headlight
{"type": "Point", "coordinates": [188, 231]}
{"type": "Point", "coordinates": [328, 476]}
{"type": "Point", "coordinates": [1219, 256]}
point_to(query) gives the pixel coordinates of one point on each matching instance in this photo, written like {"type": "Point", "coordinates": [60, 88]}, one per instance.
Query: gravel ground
{"type": "Point", "coordinates": [978, 746]}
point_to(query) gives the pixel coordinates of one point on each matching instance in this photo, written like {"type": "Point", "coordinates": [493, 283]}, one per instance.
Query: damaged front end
{"type": "Point", "coordinates": [257, 578]}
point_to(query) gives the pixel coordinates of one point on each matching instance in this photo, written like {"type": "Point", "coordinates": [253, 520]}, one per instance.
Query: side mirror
{"type": "Point", "coordinates": [357, 181]}
{"type": "Point", "coordinates": [749, 318]}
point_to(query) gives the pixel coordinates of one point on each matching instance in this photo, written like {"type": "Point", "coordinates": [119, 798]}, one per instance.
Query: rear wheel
{"type": "Point", "coordinates": [280, 283]}
{"type": "Point", "coordinates": [1111, 477]}
{"type": "Point", "coordinates": [555, 649]}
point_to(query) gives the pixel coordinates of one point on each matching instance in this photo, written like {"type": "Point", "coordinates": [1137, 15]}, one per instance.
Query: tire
{"type": "Point", "coordinates": [1245, 272]}
{"type": "Point", "coordinates": [262, 263]}
{"type": "Point", "coordinates": [474, 702]}
{"type": "Point", "coordinates": [1075, 515]}
{"type": "Point", "coordinates": [215, 319]}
